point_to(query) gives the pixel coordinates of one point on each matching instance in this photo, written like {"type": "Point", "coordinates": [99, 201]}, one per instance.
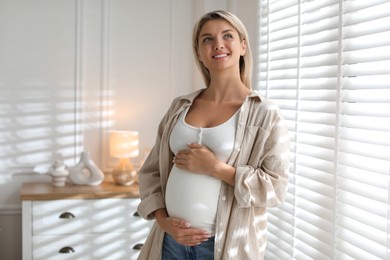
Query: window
{"type": "Point", "coordinates": [327, 65]}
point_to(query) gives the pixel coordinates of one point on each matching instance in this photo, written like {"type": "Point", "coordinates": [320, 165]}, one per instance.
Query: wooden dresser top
{"type": "Point", "coordinates": [46, 191]}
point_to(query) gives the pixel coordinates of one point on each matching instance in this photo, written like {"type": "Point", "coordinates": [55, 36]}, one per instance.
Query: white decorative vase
{"type": "Point", "coordinates": [85, 172]}
{"type": "Point", "coordinates": [59, 173]}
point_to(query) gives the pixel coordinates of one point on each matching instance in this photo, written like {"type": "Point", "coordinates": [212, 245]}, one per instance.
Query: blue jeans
{"type": "Point", "coordinates": [175, 251]}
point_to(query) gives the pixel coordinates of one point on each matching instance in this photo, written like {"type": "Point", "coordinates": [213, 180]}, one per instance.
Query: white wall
{"type": "Point", "coordinates": [72, 70]}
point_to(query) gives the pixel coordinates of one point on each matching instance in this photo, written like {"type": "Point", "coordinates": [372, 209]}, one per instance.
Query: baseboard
{"type": "Point", "coordinates": [11, 210]}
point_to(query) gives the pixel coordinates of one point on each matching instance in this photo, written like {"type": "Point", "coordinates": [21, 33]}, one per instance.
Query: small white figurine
{"type": "Point", "coordinates": [59, 173]}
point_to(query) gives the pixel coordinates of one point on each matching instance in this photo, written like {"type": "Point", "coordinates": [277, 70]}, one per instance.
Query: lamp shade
{"type": "Point", "coordinates": [124, 144]}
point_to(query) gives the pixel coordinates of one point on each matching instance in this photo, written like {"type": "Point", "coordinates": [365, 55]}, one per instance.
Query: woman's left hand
{"type": "Point", "coordinates": [197, 158]}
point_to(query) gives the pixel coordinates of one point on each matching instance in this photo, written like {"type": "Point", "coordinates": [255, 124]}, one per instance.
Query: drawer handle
{"type": "Point", "coordinates": [138, 246]}
{"type": "Point", "coordinates": [67, 215]}
{"type": "Point", "coordinates": [66, 250]}
{"type": "Point", "coordinates": [136, 214]}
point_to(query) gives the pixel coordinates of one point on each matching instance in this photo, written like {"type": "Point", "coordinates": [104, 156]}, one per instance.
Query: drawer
{"type": "Point", "coordinates": [81, 246]}
{"type": "Point", "coordinates": [86, 216]}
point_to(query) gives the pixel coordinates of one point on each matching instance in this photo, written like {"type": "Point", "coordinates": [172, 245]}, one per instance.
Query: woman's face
{"type": "Point", "coordinates": [220, 46]}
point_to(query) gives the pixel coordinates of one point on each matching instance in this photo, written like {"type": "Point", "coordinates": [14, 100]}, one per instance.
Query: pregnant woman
{"type": "Point", "coordinates": [220, 159]}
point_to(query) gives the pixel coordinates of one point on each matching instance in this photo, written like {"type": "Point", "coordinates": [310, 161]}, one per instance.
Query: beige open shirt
{"type": "Point", "coordinates": [261, 159]}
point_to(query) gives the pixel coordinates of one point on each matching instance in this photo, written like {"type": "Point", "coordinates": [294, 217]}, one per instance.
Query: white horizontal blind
{"type": "Point", "coordinates": [278, 80]}
{"type": "Point", "coordinates": [327, 64]}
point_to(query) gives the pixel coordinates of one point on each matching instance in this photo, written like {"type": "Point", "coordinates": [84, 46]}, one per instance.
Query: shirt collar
{"type": "Point", "coordinates": [256, 94]}
{"type": "Point", "coordinates": [190, 97]}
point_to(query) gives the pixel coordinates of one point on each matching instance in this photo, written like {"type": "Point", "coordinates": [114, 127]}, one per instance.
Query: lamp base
{"type": "Point", "coordinates": [124, 173]}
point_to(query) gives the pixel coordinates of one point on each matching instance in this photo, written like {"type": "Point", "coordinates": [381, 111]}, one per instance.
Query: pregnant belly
{"type": "Point", "coordinates": [193, 197]}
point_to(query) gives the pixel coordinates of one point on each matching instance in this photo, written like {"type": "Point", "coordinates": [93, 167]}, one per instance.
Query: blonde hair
{"type": "Point", "coordinates": [245, 60]}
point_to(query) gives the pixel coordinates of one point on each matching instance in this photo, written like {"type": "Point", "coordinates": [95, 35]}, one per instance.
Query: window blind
{"type": "Point", "coordinates": [327, 65]}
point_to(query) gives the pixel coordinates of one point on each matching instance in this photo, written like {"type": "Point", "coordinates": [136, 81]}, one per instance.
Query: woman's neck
{"type": "Point", "coordinates": [225, 92]}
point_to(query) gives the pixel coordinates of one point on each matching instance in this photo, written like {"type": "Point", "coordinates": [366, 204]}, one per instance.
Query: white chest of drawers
{"type": "Point", "coordinates": [81, 222]}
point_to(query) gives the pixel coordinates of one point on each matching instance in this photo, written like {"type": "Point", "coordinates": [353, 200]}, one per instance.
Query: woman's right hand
{"type": "Point", "coordinates": [180, 229]}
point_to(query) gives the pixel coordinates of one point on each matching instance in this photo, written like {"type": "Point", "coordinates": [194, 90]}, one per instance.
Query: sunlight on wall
{"type": "Point", "coordinates": [38, 122]}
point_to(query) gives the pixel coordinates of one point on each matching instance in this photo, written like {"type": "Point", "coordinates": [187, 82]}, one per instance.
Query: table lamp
{"type": "Point", "coordinates": [124, 145]}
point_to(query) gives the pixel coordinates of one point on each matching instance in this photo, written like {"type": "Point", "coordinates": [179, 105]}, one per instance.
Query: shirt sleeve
{"type": "Point", "coordinates": [262, 173]}
{"type": "Point", "coordinates": [151, 192]}
{"type": "Point", "coordinates": [150, 187]}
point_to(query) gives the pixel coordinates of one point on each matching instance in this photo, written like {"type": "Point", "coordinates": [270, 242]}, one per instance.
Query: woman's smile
{"type": "Point", "coordinates": [220, 56]}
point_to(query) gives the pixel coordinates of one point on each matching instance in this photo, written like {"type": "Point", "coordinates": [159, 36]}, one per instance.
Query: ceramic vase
{"type": "Point", "coordinates": [59, 173]}
{"type": "Point", "coordinates": [85, 172]}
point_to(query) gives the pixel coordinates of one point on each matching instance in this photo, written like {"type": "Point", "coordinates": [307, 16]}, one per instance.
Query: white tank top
{"type": "Point", "coordinates": [193, 196]}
